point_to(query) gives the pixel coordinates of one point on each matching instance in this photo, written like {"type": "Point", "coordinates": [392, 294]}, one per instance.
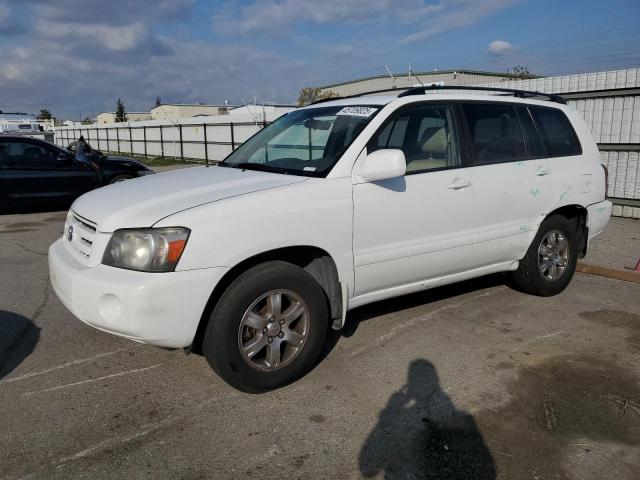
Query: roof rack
{"type": "Point", "coordinates": [507, 91]}
{"type": "Point", "coordinates": [408, 91]}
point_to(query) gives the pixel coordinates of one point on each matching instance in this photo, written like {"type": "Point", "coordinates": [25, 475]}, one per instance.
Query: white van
{"type": "Point", "coordinates": [333, 206]}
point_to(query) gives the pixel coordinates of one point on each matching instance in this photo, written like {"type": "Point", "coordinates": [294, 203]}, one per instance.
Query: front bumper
{"type": "Point", "coordinates": [161, 309]}
{"type": "Point", "coordinates": [598, 216]}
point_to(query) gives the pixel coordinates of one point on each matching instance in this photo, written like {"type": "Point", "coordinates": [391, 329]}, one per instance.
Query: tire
{"type": "Point", "coordinates": [530, 276]}
{"type": "Point", "coordinates": [230, 326]}
{"type": "Point", "coordinates": [120, 178]}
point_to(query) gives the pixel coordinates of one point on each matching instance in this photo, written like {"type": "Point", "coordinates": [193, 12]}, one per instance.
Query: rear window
{"type": "Point", "coordinates": [495, 132]}
{"type": "Point", "coordinates": [560, 140]}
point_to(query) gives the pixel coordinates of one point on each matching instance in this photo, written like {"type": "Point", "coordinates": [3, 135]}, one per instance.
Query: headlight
{"type": "Point", "coordinates": [142, 173]}
{"type": "Point", "coordinates": [147, 249]}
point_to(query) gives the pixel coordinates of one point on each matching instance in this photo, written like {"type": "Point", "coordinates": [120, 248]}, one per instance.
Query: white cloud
{"type": "Point", "coordinates": [279, 17]}
{"type": "Point", "coordinates": [499, 47]}
{"type": "Point", "coordinates": [118, 38]}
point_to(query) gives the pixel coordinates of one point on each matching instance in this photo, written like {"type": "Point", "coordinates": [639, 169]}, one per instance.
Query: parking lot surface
{"type": "Point", "coordinates": [474, 380]}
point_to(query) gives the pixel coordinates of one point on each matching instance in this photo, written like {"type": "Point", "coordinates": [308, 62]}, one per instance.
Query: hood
{"type": "Point", "coordinates": [123, 161]}
{"type": "Point", "coordinates": [143, 201]}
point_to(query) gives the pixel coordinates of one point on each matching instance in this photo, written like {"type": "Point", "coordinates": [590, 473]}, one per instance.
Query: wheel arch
{"type": "Point", "coordinates": [579, 214]}
{"type": "Point", "coordinates": [314, 260]}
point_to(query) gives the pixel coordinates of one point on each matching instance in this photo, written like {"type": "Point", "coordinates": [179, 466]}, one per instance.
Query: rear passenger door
{"type": "Point", "coordinates": [513, 181]}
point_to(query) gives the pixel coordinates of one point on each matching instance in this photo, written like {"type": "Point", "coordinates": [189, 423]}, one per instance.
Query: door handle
{"type": "Point", "coordinates": [542, 171]}
{"type": "Point", "coordinates": [459, 183]}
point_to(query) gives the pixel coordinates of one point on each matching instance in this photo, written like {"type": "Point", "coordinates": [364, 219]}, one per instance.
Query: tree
{"type": "Point", "coordinates": [121, 114]}
{"type": "Point", "coordinates": [158, 101]}
{"type": "Point", "coordinates": [87, 121]}
{"type": "Point", "coordinates": [313, 94]}
{"type": "Point", "coordinates": [521, 72]}
{"type": "Point", "coordinates": [44, 114]}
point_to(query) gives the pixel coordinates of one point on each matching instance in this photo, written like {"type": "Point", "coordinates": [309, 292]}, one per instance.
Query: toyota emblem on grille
{"type": "Point", "coordinates": [70, 233]}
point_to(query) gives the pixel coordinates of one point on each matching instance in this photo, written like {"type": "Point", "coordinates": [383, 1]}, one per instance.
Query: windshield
{"type": "Point", "coordinates": [303, 142]}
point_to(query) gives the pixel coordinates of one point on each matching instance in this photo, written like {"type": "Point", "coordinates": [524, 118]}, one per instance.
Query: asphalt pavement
{"type": "Point", "coordinates": [474, 380]}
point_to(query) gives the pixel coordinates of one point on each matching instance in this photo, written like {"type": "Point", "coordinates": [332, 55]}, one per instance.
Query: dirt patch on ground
{"type": "Point", "coordinates": [614, 318]}
{"type": "Point", "coordinates": [564, 407]}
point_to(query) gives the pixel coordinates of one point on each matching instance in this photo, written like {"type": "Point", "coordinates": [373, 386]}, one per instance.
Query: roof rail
{"type": "Point", "coordinates": [374, 92]}
{"type": "Point", "coordinates": [507, 91]}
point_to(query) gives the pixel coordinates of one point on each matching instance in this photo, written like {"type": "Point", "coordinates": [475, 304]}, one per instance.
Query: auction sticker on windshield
{"type": "Point", "coordinates": [358, 111]}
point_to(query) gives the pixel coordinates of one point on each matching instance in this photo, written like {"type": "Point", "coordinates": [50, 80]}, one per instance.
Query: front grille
{"type": "Point", "coordinates": [80, 233]}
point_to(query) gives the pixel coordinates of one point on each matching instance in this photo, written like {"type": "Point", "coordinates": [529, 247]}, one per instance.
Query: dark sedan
{"type": "Point", "coordinates": [37, 173]}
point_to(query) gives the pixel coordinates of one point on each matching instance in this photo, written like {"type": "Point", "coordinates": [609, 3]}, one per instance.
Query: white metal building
{"type": "Point", "coordinates": [404, 80]}
{"type": "Point", "coordinates": [183, 110]}
{"type": "Point", "coordinates": [110, 117]}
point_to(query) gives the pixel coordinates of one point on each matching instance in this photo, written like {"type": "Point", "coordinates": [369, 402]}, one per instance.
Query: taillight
{"type": "Point", "coordinates": [606, 181]}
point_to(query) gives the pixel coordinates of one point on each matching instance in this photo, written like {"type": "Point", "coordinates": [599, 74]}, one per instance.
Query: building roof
{"type": "Point", "coordinates": [436, 72]}
{"type": "Point", "coordinates": [126, 112]}
{"type": "Point", "coordinates": [194, 105]}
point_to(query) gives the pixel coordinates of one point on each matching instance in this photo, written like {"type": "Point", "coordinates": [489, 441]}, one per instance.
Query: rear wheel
{"type": "Point", "coordinates": [550, 262]}
{"type": "Point", "coordinates": [268, 327]}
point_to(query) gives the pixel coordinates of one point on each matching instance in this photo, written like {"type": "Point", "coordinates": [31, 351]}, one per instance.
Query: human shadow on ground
{"type": "Point", "coordinates": [18, 339]}
{"type": "Point", "coordinates": [421, 435]}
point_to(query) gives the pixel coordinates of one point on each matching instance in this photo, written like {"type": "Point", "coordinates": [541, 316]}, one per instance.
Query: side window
{"type": "Point", "coordinates": [532, 140]}
{"type": "Point", "coordinates": [425, 134]}
{"type": "Point", "coordinates": [30, 155]}
{"type": "Point", "coordinates": [495, 132]}
{"type": "Point", "coordinates": [4, 155]}
{"type": "Point", "coordinates": [557, 133]}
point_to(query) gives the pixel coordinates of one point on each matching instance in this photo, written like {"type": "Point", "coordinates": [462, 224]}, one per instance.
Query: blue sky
{"type": "Point", "coordinates": [76, 57]}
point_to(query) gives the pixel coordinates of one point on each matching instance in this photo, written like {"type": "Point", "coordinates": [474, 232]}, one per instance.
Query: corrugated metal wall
{"type": "Point", "coordinates": [402, 81]}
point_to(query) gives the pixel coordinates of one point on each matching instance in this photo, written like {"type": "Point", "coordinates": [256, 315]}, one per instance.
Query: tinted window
{"type": "Point", "coordinates": [531, 138]}
{"type": "Point", "coordinates": [556, 130]}
{"type": "Point", "coordinates": [28, 155]}
{"type": "Point", "coordinates": [426, 136]}
{"type": "Point", "coordinates": [4, 155]}
{"type": "Point", "coordinates": [495, 132]}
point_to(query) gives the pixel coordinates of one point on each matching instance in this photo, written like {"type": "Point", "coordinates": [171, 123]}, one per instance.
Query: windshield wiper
{"type": "Point", "coordinates": [256, 166]}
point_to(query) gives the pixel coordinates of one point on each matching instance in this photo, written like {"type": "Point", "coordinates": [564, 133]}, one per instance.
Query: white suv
{"type": "Point", "coordinates": [333, 206]}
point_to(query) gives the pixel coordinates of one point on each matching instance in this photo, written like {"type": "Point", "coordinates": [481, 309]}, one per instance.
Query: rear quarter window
{"type": "Point", "coordinates": [558, 135]}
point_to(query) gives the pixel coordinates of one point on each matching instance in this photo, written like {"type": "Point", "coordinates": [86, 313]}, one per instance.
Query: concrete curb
{"type": "Point", "coordinates": [624, 275]}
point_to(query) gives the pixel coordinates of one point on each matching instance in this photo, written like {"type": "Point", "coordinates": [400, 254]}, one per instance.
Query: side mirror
{"type": "Point", "coordinates": [384, 164]}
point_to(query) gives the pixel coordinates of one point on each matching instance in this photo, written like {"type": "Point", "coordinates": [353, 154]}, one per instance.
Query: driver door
{"type": "Point", "coordinates": [414, 229]}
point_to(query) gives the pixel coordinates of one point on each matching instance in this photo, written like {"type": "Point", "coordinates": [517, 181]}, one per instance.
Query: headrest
{"type": "Point", "coordinates": [434, 141]}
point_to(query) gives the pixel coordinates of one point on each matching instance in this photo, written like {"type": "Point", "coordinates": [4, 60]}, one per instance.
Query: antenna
{"type": "Point", "coordinates": [391, 75]}
{"type": "Point", "coordinates": [415, 76]}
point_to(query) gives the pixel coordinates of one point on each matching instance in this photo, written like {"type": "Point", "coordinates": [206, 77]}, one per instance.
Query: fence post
{"type": "Point", "coordinates": [131, 140]}
{"type": "Point", "coordinates": [144, 139]}
{"type": "Point", "coordinates": [206, 147]}
{"type": "Point", "coordinates": [118, 139]}
{"type": "Point", "coordinates": [233, 140]}
{"type": "Point", "coordinates": [181, 147]}
{"type": "Point", "coordinates": [161, 143]}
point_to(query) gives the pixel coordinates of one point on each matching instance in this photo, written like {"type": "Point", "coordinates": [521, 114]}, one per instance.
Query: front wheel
{"type": "Point", "coordinates": [550, 262]}
{"type": "Point", "coordinates": [268, 327]}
